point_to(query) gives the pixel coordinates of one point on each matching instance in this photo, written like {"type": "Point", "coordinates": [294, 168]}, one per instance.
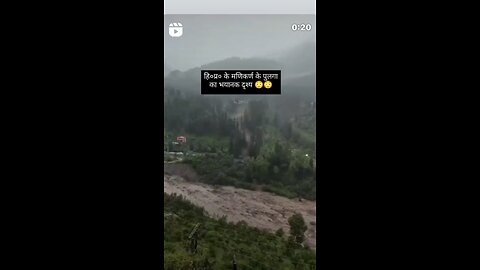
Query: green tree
{"type": "Point", "coordinates": [297, 228]}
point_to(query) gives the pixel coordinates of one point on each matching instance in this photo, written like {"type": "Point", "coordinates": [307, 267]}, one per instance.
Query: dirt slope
{"type": "Point", "coordinates": [259, 209]}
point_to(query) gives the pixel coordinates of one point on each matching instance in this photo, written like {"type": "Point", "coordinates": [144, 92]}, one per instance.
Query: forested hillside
{"type": "Point", "coordinates": [261, 143]}
{"type": "Point", "coordinates": [251, 145]}
{"type": "Point", "coordinates": [265, 142]}
{"type": "Point", "coordinates": [194, 241]}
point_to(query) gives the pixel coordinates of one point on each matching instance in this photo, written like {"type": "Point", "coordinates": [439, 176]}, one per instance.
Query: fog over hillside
{"type": "Point", "coordinates": [211, 38]}
{"type": "Point", "coordinates": [297, 66]}
{"type": "Point", "coordinates": [240, 167]}
{"type": "Point", "coordinates": [243, 42]}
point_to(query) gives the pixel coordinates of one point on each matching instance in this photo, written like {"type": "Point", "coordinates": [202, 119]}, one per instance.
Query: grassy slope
{"type": "Point", "coordinates": [218, 241]}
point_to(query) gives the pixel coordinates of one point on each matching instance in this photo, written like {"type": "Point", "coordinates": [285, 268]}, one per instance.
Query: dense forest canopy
{"type": "Point", "coordinates": [251, 142]}
{"type": "Point", "coordinates": [273, 135]}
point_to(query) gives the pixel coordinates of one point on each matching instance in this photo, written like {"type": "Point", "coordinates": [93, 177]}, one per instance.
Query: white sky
{"type": "Point", "coordinates": [239, 6]}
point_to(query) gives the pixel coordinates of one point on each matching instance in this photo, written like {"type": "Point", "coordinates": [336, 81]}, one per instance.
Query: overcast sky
{"type": "Point", "coordinates": [239, 6]}
{"type": "Point", "coordinates": [208, 38]}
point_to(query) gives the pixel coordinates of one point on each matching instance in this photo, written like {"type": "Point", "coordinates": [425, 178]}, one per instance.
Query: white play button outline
{"type": "Point", "coordinates": [175, 30]}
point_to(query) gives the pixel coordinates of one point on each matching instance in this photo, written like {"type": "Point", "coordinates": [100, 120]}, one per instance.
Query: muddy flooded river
{"type": "Point", "coordinates": [257, 208]}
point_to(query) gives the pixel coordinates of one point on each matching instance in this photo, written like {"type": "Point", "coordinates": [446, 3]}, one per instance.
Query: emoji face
{"type": "Point", "coordinates": [259, 84]}
{"type": "Point", "coordinates": [268, 84]}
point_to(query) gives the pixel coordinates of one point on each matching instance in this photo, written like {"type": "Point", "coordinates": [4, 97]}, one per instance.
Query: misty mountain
{"type": "Point", "coordinates": [303, 84]}
{"type": "Point", "coordinates": [298, 78]}
{"type": "Point", "coordinates": [297, 93]}
{"type": "Point", "coordinates": [214, 38]}
{"type": "Point", "coordinates": [190, 80]}
{"type": "Point", "coordinates": [166, 69]}
{"type": "Point", "coordinates": [297, 65]}
{"type": "Point", "coordinates": [297, 61]}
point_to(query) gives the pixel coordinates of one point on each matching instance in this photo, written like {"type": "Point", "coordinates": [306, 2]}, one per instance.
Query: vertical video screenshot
{"type": "Point", "coordinates": [239, 137]}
